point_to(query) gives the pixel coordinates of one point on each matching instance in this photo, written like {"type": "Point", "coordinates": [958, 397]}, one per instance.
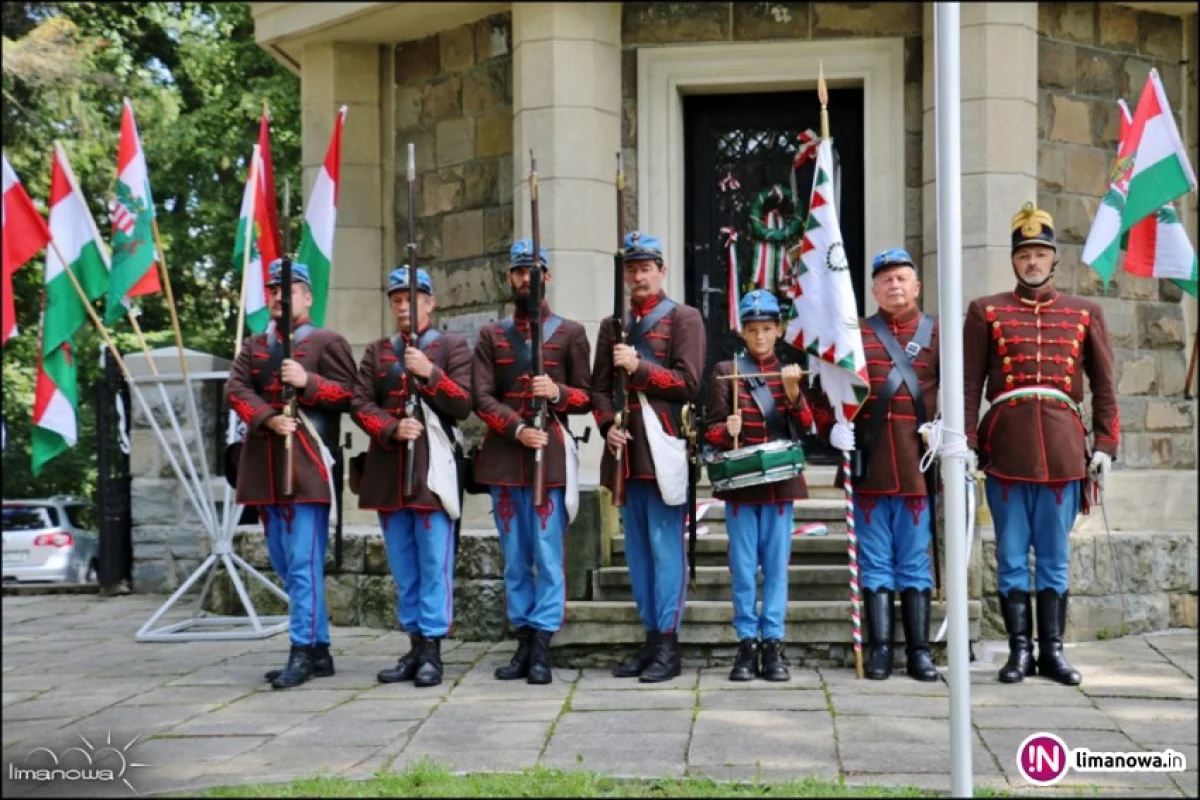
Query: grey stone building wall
{"type": "Point", "coordinates": [453, 100]}
{"type": "Point", "coordinates": [1089, 55]}
{"type": "Point", "coordinates": [653, 24]}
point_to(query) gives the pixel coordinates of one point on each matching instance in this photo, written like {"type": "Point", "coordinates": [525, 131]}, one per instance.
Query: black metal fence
{"type": "Point", "coordinates": [113, 484]}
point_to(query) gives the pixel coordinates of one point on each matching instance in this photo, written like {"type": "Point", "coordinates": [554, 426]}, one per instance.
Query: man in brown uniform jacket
{"type": "Point", "coordinates": [664, 357]}
{"type": "Point", "coordinates": [891, 499]}
{"type": "Point", "coordinates": [504, 387]}
{"type": "Point", "coordinates": [417, 530]}
{"type": "Point", "coordinates": [297, 528]}
{"type": "Point", "coordinates": [1032, 347]}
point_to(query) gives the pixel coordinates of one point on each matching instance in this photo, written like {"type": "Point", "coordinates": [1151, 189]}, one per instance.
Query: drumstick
{"type": "Point", "coordinates": [736, 404]}
{"type": "Point", "coordinates": [749, 375]}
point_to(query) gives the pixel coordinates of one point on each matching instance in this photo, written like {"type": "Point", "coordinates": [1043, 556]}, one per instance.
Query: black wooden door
{"type": "Point", "coordinates": [754, 138]}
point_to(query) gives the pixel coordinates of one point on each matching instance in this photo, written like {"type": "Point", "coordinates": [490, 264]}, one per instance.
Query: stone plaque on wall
{"type": "Point", "coordinates": [468, 325]}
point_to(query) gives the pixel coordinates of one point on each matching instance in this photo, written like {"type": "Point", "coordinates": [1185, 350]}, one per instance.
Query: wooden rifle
{"type": "Point", "coordinates": [535, 336]}
{"type": "Point", "coordinates": [620, 376]}
{"type": "Point", "coordinates": [412, 401]}
{"type": "Point", "coordinates": [284, 331]}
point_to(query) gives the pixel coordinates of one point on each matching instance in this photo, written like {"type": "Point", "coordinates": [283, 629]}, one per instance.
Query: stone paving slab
{"type": "Point", "coordinates": [206, 717]}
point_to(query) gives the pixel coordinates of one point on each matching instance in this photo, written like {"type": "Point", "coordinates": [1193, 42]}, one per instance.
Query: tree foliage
{"type": "Point", "coordinates": [197, 82]}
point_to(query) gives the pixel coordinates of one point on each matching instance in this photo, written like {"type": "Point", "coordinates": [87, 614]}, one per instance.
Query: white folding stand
{"type": "Point", "coordinates": [199, 624]}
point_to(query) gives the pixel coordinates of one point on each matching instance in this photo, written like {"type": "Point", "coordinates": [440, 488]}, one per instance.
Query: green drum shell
{"type": "Point", "coordinates": [757, 465]}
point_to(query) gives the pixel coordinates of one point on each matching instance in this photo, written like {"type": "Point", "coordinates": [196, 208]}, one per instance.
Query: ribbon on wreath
{"type": "Point", "coordinates": [730, 239]}
{"type": "Point", "coordinates": [728, 183]}
{"type": "Point", "coordinates": [772, 234]}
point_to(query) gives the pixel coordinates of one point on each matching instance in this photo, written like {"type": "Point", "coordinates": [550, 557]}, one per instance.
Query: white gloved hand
{"type": "Point", "coordinates": [972, 463]}
{"type": "Point", "coordinates": [1101, 464]}
{"type": "Point", "coordinates": [842, 437]}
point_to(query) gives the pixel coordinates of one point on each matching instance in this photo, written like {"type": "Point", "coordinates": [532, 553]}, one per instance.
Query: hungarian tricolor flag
{"type": "Point", "coordinates": [1152, 170]}
{"type": "Point", "coordinates": [268, 180]}
{"type": "Point", "coordinates": [1158, 246]}
{"type": "Point", "coordinates": [77, 240]}
{"type": "Point", "coordinates": [54, 401]}
{"type": "Point", "coordinates": [134, 258]}
{"type": "Point", "coordinates": [823, 320]}
{"type": "Point", "coordinates": [254, 232]}
{"type": "Point", "coordinates": [25, 233]}
{"type": "Point", "coordinates": [320, 219]}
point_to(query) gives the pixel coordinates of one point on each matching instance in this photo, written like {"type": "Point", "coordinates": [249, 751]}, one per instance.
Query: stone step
{"type": "Point", "coordinates": [712, 549]}
{"type": "Point", "coordinates": [805, 582]}
{"type": "Point", "coordinates": [819, 509]}
{"type": "Point", "coordinates": [708, 622]}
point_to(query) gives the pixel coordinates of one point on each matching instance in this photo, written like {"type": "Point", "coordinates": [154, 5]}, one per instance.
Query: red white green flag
{"type": "Point", "coordinates": [268, 172]}
{"type": "Point", "coordinates": [77, 240]}
{"type": "Point", "coordinates": [134, 257]}
{"type": "Point", "coordinates": [25, 233]}
{"type": "Point", "coordinates": [254, 231]}
{"type": "Point", "coordinates": [1158, 246]}
{"type": "Point", "coordinates": [320, 221]}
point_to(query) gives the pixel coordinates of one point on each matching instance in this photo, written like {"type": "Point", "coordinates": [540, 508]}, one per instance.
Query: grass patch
{"type": "Point", "coordinates": [429, 779]}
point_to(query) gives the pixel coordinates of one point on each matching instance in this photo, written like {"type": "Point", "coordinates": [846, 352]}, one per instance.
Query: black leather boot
{"type": "Point", "coordinates": [877, 608]}
{"type": "Point", "coordinates": [914, 610]}
{"type": "Point", "coordinates": [774, 662]}
{"type": "Point", "coordinates": [539, 658]}
{"type": "Point", "coordinates": [1018, 622]}
{"type": "Point", "coordinates": [636, 663]}
{"type": "Point", "coordinates": [298, 670]}
{"type": "Point", "coordinates": [667, 663]}
{"type": "Point", "coordinates": [406, 666]}
{"type": "Point", "coordinates": [429, 665]}
{"type": "Point", "coordinates": [322, 664]}
{"type": "Point", "coordinates": [519, 666]}
{"type": "Point", "coordinates": [1052, 621]}
{"type": "Point", "coordinates": [745, 665]}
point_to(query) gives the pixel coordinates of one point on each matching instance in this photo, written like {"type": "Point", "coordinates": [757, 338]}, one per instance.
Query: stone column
{"type": "Point", "coordinates": [999, 140]}
{"type": "Point", "coordinates": [351, 74]}
{"type": "Point", "coordinates": [567, 109]}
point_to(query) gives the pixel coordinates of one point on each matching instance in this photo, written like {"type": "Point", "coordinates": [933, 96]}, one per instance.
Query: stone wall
{"type": "Point", "coordinates": [169, 541]}
{"type": "Point", "coordinates": [453, 100]}
{"type": "Point", "coordinates": [1089, 55]}
{"type": "Point", "coordinates": [651, 24]}
{"type": "Point", "coordinates": [1120, 583]}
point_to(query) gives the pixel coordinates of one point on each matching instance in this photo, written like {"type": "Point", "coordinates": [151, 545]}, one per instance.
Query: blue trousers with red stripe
{"type": "Point", "coordinates": [655, 543]}
{"type": "Point", "coordinates": [420, 553]}
{"type": "Point", "coordinates": [532, 537]}
{"type": "Point", "coordinates": [760, 536]}
{"type": "Point", "coordinates": [297, 537]}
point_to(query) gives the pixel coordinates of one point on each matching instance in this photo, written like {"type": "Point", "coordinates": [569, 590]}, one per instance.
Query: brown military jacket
{"type": "Point", "coordinates": [378, 411]}
{"type": "Point", "coordinates": [1025, 339]}
{"type": "Point", "coordinates": [754, 428]}
{"type": "Point", "coordinates": [896, 453]}
{"type": "Point", "coordinates": [256, 396]}
{"type": "Point", "coordinates": [679, 342]}
{"type": "Point", "coordinates": [502, 460]}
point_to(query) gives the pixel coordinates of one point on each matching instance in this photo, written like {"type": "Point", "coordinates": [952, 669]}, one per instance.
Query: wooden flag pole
{"type": "Point", "coordinates": [1191, 373]}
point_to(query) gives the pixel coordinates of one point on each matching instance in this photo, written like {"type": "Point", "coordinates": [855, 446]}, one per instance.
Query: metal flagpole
{"type": "Point", "coordinates": [950, 308]}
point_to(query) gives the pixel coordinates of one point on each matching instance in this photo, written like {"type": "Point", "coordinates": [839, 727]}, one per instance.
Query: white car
{"type": "Point", "coordinates": [50, 541]}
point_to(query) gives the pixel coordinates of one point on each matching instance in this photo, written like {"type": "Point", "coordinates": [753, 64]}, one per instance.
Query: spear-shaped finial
{"type": "Point", "coordinates": [266, 109]}
{"type": "Point", "coordinates": [823, 96]}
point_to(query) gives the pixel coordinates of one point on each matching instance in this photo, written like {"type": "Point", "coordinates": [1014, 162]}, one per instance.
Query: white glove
{"type": "Point", "coordinates": [842, 437]}
{"type": "Point", "coordinates": [1101, 464]}
{"type": "Point", "coordinates": [972, 463]}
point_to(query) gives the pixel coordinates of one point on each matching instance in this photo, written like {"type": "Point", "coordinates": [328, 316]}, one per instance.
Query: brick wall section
{"type": "Point", "coordinates": [1088, 56]}
{"type": "Point", "coordinates": [454, 102]}
{"type": "Point", "coordinates": [650, 24]}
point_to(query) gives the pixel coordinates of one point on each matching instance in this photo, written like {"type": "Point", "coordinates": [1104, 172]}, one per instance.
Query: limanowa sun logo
{"type": "Point", "coordinates": [107, 763]}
